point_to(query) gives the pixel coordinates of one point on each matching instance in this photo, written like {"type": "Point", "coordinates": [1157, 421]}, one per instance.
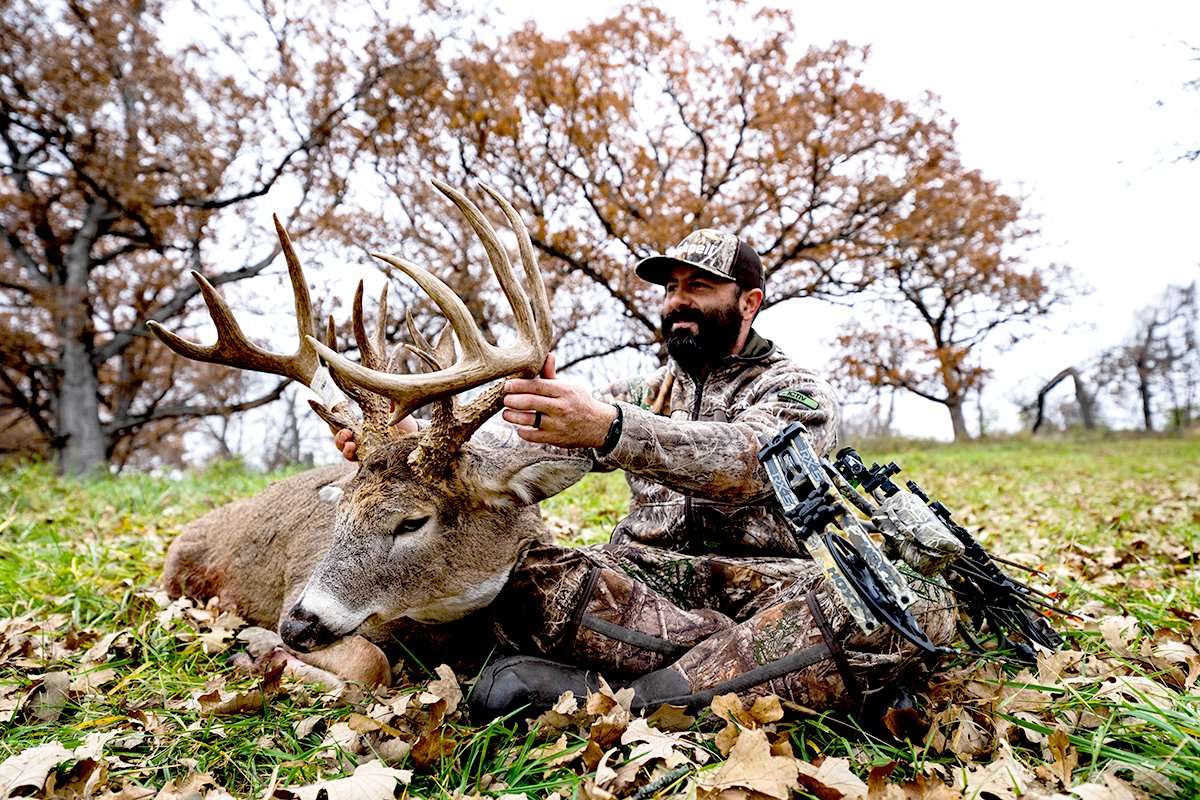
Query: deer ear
{"type": "Point", "coordinates": [526, 476]}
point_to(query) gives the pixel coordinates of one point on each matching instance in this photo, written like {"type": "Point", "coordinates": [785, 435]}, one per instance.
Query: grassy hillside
{"type": "Point", "coordinates": [136, 692]}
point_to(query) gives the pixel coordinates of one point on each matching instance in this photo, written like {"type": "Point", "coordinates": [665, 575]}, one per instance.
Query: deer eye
{"type": "Point", "coordinates": [409, 525]}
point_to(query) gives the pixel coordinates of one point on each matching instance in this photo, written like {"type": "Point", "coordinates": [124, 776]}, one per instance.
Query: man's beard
{"type": "Point", "coordinates": [717, 333]}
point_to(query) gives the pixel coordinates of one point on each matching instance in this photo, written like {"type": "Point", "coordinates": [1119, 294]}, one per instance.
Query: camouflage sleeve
{"type": "Point", "coordinates": [639, 391]}
{"type": "Point", "coordinates": [718, 460]}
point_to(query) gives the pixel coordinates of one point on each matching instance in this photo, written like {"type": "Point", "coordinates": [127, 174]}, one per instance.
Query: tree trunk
{"type": "Point", "coordinates": [80, 447]}
{"type": "Point", "coordinates": [958, 420]}
{"type": "Point", "coordinates": [1144, 394]}
{"type": "Point", "coordinates": [1087, 404]}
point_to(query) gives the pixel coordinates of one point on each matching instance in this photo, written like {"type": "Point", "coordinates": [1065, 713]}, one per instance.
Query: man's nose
{"type": "Point", "coordinates": [674, 300]}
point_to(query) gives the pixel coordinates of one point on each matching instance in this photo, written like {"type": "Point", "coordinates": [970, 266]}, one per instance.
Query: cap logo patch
{"type": "Point", "coordinates": [797, 396]}
{"type": "Point", "coordinates": [710, 248]}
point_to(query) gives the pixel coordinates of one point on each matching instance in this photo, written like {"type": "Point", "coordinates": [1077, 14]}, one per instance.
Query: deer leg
{"type": "Point", "coordinates": [353, 659]}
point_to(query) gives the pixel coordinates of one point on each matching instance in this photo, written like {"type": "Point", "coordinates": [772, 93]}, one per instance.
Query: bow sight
{"type": "Point", "coordinates": [922, 530]}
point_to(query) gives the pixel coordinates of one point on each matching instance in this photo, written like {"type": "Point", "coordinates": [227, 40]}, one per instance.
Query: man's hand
{"type": "Point", "coordinates": [569, 415]}
{"type": "Point", "coordinates": [344, 439]}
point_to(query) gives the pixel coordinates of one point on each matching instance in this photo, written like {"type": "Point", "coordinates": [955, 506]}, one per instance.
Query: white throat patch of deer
{"type": "Point", "coordinates": [429, 524]}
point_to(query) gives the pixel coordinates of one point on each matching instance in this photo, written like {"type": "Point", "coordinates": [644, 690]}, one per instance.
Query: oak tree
{"type": "Point", "coordinates": [619, 138]}
{"type": "Point", "coordinates": [126, 160]}
{"type": "Point", "coordinates": [956, 272]}
{"type": "Point", "coordinates": [1159, 362]}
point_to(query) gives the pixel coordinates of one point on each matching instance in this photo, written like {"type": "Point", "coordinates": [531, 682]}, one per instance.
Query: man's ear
{"type": "Point", "coordinates": [527, 475]}
{"type": "Point", "coordinates": [749, 302]}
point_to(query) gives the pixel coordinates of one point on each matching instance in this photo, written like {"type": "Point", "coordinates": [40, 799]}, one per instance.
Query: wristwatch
{"type": "Point", "coordinates": [614, 433]}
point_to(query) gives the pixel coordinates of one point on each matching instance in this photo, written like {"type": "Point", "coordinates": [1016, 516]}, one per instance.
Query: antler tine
{"type": "Point", "coordinates": [420, 346]}
{"type": "Point", "coordinates": [414, 333]}
{"type": "Point", "coordinates": [305, 322]}
{"type": "Point", "coordinates": [330, 333]}
{"type": "Point", "coordinates": [381, 325]}
{"type": "Point", "coordinates": [233, 348]}
{"type": "Point", "coordinates": [373, 352]}
{"type": "Point", "coordinates": [374, 349]}
{"type": "Point", "coordinates": [455, 310]}
{"type": "Point", "coordinates": [497, 256]}
{"type": "Point", "coordinates": [443, 346]}
{"type": "Point", "coordinates": [540, 300]}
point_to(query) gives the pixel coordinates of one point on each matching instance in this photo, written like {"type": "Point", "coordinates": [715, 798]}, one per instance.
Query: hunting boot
{"type": "Point", "coordinates": [536, 684]}
{"type": "Point", "coordinates": [525, 681]}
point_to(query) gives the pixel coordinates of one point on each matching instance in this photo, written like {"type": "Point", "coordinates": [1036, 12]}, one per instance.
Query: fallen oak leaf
{"type": "Point", "coordinates": [832, 779]}
{"type": "Point", "coordinates": [47, 697]}
{"type": "Point", "coordinates": [219, 701]}
{"type": "Point", "coordinates": [92, 681]}
{"type": "Point", "coordinates": [308, 726]}
{"type": "Point", "coordinates": [30, 768]}
{"type": "Point", "coordinates": [34, 768]}
{"type": "Point", "coordinates": [1004, 777]}
{"type": "Point", "coordinates": [766, 709]}
{"type": "Point", "coordinates": [564, 713]}
{"type": "Point", "coordinates": [671, 718]}
{"type": "Point", "coordinates": [751, 766]}
{"type": "Point", "coordinates": [370, 781]}
{"type": "Point", "coordinates": [1064, 755]}
{"type": "Point", "coordinates": [99, 651]}
{"type": "Point", "coordinates": [196, 786]}
{"type": "Point", "coordinates": [652, 744]}
{"type": "Point", "coordinates": [612, 712]}
{"type": "Point", "coordinates": [1119, 632]}
{"type": "Point", "coordinates": [364, 724]}
{"type": "Point", "coordinates": [444, 688]}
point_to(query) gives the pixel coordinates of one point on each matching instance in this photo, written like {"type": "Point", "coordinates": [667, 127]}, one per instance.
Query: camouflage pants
{"type": "Point", "coordinates": [628, 610]}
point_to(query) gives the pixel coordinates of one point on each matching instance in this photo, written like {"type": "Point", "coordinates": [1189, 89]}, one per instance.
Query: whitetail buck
{"type": "Point", "coordinates": [428, 524]}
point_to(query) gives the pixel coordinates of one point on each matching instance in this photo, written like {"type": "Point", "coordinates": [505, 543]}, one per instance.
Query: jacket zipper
{"type": "Point", "coordinates": [687, 499]}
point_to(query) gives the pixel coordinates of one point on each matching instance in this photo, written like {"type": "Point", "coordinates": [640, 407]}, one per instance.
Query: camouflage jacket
{"type": "Point", "coordinates": [693, 472]}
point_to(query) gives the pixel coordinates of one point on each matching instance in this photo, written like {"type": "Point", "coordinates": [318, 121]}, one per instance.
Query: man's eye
{"type": "Point", "coordinates": [410, 525]}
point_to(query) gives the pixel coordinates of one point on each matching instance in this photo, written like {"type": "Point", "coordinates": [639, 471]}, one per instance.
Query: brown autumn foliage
{"type": "Point", "coordinates": [128, 161]}
{"type": "Point", "coordinates": [620, 137]}
{"type": "Point", "coordinates": [955, 272]}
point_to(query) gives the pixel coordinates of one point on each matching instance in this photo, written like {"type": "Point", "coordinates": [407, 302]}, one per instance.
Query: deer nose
{"type": "Point", "coordinates": [303, 631]}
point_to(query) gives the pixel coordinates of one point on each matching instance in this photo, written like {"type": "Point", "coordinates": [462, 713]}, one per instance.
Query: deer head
{"type": "Point", "coordinates": [432, 522]}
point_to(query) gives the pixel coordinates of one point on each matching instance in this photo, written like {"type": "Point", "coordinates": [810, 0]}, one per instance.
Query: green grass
{"type": "Point", "coordinates": [1115, 522]}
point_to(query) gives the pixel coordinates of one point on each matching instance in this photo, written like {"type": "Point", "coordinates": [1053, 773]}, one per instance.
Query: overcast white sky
{"type": "Point", "coordinates": [1078, 106]}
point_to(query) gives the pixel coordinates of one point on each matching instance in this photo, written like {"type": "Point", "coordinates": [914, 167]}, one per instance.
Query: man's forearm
{"type": "Point", "coordinates": [717, 460]}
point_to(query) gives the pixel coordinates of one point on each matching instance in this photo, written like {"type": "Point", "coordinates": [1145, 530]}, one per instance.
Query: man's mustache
{"type": "Point", "coordinates": [682, 315]}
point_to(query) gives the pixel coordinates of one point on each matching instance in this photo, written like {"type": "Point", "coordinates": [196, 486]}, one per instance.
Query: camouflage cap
{"type": "Point", "coordinates": [717, 253]}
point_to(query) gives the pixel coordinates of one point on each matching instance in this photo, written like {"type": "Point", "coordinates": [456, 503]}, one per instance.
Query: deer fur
{"type": "Point", "coordinates": [286, 553]}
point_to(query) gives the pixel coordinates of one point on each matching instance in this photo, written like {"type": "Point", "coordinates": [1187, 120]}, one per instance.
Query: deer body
{"type": "Point", "coordinates": [257, 553]}
{"type": "Point", "coordinates": [428, 526]}
{"type": "Point", "coordinates": [316, 555]}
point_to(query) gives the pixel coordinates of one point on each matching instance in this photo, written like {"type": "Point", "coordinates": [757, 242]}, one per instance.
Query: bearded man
{"type": "Point", "coordinates": [688, 434]}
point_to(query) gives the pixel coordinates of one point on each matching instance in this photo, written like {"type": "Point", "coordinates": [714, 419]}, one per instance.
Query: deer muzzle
{"type": "Point", "coordinates": [304, 631]}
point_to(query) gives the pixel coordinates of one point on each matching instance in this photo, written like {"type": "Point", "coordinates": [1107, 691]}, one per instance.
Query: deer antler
{"type": "Point", "coordinates": [480, 362]}
{"type": "Point", "coordinates": [234, 349]}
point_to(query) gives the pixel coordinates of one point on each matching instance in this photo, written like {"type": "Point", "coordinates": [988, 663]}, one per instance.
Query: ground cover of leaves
{"type": "Point", "coordinates": [107, 689]}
